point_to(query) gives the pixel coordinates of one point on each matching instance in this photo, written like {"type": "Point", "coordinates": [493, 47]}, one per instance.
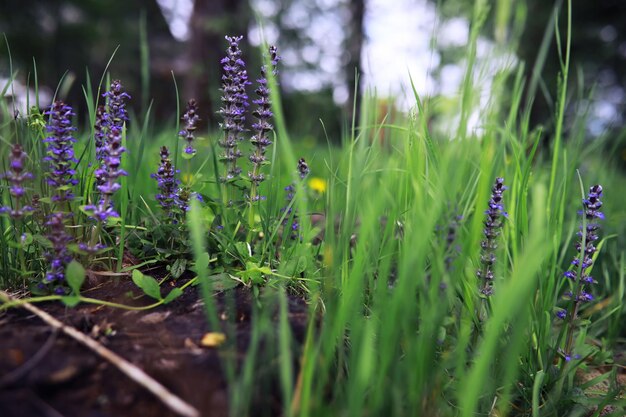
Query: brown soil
{"type": "Point", "coordinates": [70, 380]}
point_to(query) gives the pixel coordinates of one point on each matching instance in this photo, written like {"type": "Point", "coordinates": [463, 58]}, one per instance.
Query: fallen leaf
{"type": "Point", "coordinates": [212, 339]}
{"type": "Point", "coordinates": [154, 318]}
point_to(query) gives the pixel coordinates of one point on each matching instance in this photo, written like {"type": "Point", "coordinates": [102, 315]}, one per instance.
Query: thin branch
{"type": "Point", "coordinates": [175, 403]}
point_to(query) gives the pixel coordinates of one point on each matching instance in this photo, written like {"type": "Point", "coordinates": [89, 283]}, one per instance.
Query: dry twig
{"type": "Point", "coordinates": [175, 403]}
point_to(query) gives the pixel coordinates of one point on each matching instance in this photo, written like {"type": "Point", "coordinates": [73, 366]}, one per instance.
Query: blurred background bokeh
{"type": "Point", "coordinates": [161, 46]}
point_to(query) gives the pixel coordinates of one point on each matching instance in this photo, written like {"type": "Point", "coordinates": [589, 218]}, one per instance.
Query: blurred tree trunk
{"type": "Point", "coordinates": [353, 68]}
{"type": "Point", "coordinates": [210, 22]}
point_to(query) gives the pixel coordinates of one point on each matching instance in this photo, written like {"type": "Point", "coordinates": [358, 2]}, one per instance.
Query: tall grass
{"type": "Point", "coordinates": [396, 325]}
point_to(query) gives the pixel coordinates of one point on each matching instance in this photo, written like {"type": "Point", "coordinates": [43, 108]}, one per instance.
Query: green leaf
{"type": "Point", "coordinates": [70, 300]}
{"type": "Point", "coordinates": [186, 155]}
{"type": "Point", "coordinates": [243, 249]}
{"type": "Point", "coordinates": [223, 282]}
{"type": "Point", "coordinates": [301, 265]}
{"type": "Point", "coordinates": [253, 273]}
{"type": "Point", "coordinates": [178, 268]}
{"type": "Point", "coordinates": [75, 276]}
{"type": "Point", "coordinates": [149, 285]}
{"type": "Point", "coordinates": [174, 294]}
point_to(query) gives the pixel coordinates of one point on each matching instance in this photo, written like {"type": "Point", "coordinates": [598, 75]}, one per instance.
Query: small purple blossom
{"type": "Point", "coordinates": [191, 120]}
{"type": "Point", "coordinates": [287, 210]}
{"type": "Point", "coordinates": [17, 176]}
{"type": "Point", "coordinates": [183, 196]}
{"type": "Point", "coordinates": [60, 152]}
{"type": "Point", "coordinates": [303, 169]}
{"type": "Point", "coordinates": [493, 225]}
{"type": "Point", "coordinates": [234, 104]}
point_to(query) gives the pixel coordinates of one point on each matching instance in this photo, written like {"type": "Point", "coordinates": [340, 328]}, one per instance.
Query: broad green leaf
{"type": "Point", "coordinates": [75, 276]}
{"type": "Point", "coordinates": [174, 294]}
{"type": "Point", "coordinates": [223, 282]}
{"type": "Point", "coordinates": [149, 285]}
{"type": "Point", "coordinates": [70, 300]}
{"type": "Point", "coordinates": [178, 267]}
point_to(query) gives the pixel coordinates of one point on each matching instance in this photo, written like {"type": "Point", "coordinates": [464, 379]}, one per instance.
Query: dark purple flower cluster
{"type": "Point", "coordinates": [17, 175]}
{"type": "Point", "coordinates": [183, 196]}
{"type": "Point", "coordinates": [234, 104]}
{"type": "Point", "coordinates": [303, 171]}
{"type": "Point", "coordinates": [116, 104]}
{"type": "Point", "coordinates": [587, 235]}
{"type": "Point", "coordinates": [191, 120]}
{"type": "Point", "coordinates": [262, 126]}
{"type": "Point", "coordinates": [109, 173]}
{"type": "Point", "coordinates": [109, 117]}
{"type": "Point", "coordinates": [58, 256]}
{"type": "Point", "coordinates": [303, 168]}
{"type": "Point", "coordinates": [60, 152]}
{"type": "Point", "coordinates": [167, 183]}
{"type": "Point", "coordinates": [493, 224]}
{"type": "Point", "coordinates": [109, 126]}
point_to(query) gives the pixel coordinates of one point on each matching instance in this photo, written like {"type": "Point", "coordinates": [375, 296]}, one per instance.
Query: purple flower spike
{"type": "Point", "coordinates": [263, 125]}
{"type": "Point", "coordinates": [493, 225]}
{"type": "Point", "coordinates": [191, 120]}
{"type": "Point", "coordinates": [109, 174]}
{"type": "Point", "coordinates": [584, 246]}
{"type": "Point", "coordinates": [116, 104]}
{"type": "Point", "coordinates": [167, 183]}
{"type": "Point", "coordinates": [58, 256]}
{"type": "Point", "coordinates": [60, 152]}
{"type": "Point", "coordinates": [234, 104]}
{"type": "Point", "coordinates": [16, 176]}
{"type": "Point", "coordinates": [108, 118]}
{"type": "Point", "coordinates": [582, 263]}
{"type": "Point", "coordinates": [303, 171]}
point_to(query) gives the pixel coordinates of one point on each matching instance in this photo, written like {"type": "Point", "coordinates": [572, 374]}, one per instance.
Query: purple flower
{"type": "Point", "coordinates": [116, 104]}
{"type": "Point", "coordinates": [493, 225]}
{"type": "Point", "coordinates": [16, 176]}
{"type": "Point", "coordinates": [58, 256]}
{"type": "Point", "coordinates": [191, 120]}
{"type": "Point", "coordinates": [262, 126]}
{"type": "Point", "coordinates": [183, 196]}
{"type": "Point", "coordinates": [303, 168]}
{"type": "Point", "coordinates": [60, 152]}
{"type": "Point", "coordinates": [287, 210]}
{"type": "Point", "coordinates": [166, 183]}
{"type": "Point", "coordinates": [582, 262]}
{"type": "Point", "coordinates": [585, 247]}
{"type": "Point", "coordinates": [109, 173]}
{"type": "Point", "coordinates": [110, 117]}
{"type": "Point", "coordinates": [234, 103]}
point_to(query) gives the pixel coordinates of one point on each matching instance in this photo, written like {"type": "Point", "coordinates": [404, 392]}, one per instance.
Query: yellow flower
{"type": "Point", "coordinates": [317, 184]}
